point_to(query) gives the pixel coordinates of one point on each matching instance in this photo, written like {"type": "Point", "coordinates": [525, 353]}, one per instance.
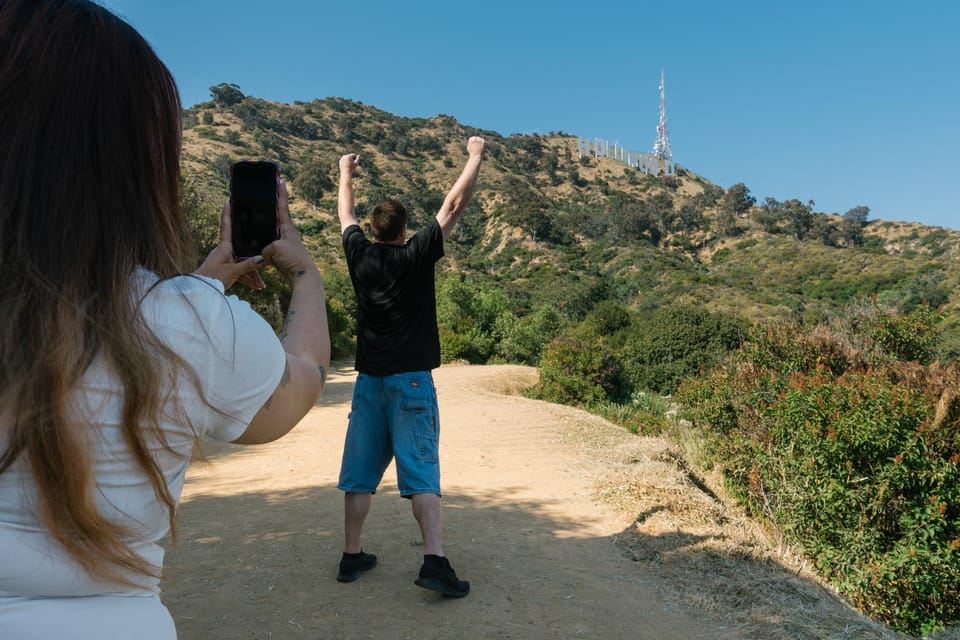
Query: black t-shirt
{"type": "Point", "coordinates": [396, 301]}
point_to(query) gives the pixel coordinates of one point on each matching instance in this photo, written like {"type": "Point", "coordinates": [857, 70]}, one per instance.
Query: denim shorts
{"type": "Point", "coordinates": [392, 417]}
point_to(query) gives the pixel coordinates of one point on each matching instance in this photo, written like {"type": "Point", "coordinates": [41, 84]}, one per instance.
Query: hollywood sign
{"type": "Point", "coordinates": [645, 162]}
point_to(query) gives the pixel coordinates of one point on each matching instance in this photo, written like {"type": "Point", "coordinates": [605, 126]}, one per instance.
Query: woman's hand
{"type": "Point", "coordinates": [222, 265]}
{"type": "Point", "coordinates": [288, 255]}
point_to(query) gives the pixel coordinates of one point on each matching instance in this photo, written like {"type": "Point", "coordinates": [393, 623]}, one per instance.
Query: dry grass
{"type": "Point", "coordinates": [723, 565]}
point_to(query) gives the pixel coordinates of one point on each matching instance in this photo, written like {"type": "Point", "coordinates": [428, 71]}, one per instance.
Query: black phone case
{"type": "Point", "coordinates": [253, 206]}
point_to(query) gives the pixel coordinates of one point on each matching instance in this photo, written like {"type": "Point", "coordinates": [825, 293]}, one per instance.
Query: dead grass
{"type": "Point", "coordinates": [721, 563]}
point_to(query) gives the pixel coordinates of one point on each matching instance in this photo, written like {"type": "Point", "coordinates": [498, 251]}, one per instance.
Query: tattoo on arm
{"type": "Point", "coordinates": [286, 324]}
{"type": "Point", "coordinates": [292, 277]}
{"type": "Point", "coordinates": [284, 381]}
{"type": "Point", "coordinates": [323, 376]}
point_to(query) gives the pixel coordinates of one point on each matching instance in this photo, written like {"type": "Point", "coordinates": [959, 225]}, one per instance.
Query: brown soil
{"type": "Point", "coordinates": [565, 525]}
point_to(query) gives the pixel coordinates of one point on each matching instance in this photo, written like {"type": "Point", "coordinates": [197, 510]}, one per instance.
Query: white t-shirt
{"type": "Point", "coordinates": [239, 362]}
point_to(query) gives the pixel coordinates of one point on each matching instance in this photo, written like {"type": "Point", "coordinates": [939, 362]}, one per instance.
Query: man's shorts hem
{"type": "Point", "coordinates": [409, 493]}
{"type": "Point", "coordinates": [347, 489]}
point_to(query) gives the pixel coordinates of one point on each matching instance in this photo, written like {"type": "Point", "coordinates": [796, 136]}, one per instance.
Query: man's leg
{"type": "Point", "coordinates": [415, 431]}
{"type": "Point", "coordinates": [426, 509]}
{"type": "Point", "coordinates": [356, 506]}
{"type": "Point", "coordinates": [436, 573]}
{"type": "Point", "coordinates": [366, 454]}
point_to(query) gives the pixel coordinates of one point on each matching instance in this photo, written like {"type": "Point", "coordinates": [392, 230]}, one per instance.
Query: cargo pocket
{"type": "Point", "coordinates": [419, 405]}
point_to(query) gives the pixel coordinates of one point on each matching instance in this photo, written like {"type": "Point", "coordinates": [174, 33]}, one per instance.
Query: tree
{"type": "Point", "coordinates": [689, 218]}
{"type": "Point", "coordinates": [725, 223]}
{"type": "Point", "coordinates": [734, 203]}
{"type": "Point", "coordinates": [313, 180]}
{"type": "Point", "coordinates": [852, 225]}
{"type": "Point", "coordinates": [738, 200]}
{"type": "Point", "coordinates": [823, 229]}
{"type": "Point", "coordinates": [662, 215]}
{"type": "Point", "coordinates": [709, 198]}
{"type": "Point", "coordinates": [769, 214]}
{"type": "Point", "coordinates": [799, 217]}
{"type": "Point", "coordinates": [226, 93]}
{"type": "Point", "coordinates": [663, 346]}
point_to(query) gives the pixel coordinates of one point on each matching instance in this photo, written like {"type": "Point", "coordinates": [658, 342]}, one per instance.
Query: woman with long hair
{"type": "Point", "coordinates": [113, 360]}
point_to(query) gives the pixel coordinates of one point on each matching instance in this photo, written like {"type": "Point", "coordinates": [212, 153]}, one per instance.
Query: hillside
{"type": "Point", "coordinates": [552, 229]}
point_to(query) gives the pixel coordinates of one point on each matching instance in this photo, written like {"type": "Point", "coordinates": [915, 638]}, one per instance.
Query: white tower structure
{"type": "Point", "coordinates": [661, 147]}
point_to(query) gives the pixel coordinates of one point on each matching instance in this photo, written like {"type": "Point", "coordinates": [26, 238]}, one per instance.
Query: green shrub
{"type": "Point", "coordinates": [662, 347]}
{"type": "Point", "coordinates": [645, 413]}
{"type": "Point", "coordinates": [467, 313]}
{"type": "Point", "coordinates": [522, 340]}
{"type": "Point", "coordinates": [850, 446]}
{"type": "Point", "coordinates": [911, 336]}
{"type": "Point", "coordinates": [340, 323]}
{"type": "Point", "coordinates": [579, 373]}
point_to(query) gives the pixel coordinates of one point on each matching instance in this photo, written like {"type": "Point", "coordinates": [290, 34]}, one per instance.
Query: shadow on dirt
{"type": "Point", "coordinates": [262, 565]}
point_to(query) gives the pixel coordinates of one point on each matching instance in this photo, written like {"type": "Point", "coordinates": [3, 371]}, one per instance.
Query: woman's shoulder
{"type": "Point", "coordinates": [186, 283]}
{"type": "Point", "coordinates": [183, 299]}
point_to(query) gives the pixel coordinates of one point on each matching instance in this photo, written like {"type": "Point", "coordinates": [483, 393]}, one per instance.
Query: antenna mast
{"type": "Point", "coordinates": [661, 148]}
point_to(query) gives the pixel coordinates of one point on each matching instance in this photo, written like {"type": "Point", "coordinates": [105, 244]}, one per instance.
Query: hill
{"type": "Point", "coordinates": [551, 229]}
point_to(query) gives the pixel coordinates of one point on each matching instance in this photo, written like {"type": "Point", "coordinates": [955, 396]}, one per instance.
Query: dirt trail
{"type": "Point", "coordinates": [566, 527]}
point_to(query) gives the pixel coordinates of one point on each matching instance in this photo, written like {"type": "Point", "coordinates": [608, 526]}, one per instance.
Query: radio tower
{"type": "Point", "coordinates": [661, 148]}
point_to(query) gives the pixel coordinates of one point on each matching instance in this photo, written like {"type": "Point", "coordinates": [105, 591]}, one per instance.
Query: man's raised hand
{"type": "Point", "coordinates": [476, 145]}
{"type": "Point", "coordinates": [349, 163]}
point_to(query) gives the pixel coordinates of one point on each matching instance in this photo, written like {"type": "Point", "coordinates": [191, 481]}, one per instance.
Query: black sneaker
{"type": "Point", "coordinates": [351, 564]}
{"type": "Point", "coordinates": [437, 574]}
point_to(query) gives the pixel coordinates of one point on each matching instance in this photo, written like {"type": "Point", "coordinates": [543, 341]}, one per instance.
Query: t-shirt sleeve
{"type": "Point", "coordinates": [427, 243]}
{"type": "Point", "coordinates": [234, 352]}
{"type": "Point", "coordinates": [244, 367]}
{"type": "Point", "coordinates": [352, 238]}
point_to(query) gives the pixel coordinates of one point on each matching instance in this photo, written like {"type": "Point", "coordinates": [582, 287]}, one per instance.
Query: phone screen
{"type": "Point", "coordinates": [253, 206]}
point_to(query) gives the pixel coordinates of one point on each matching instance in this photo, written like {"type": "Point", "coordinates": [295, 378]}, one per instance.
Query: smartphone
{"type": "Point", "coordinates": [253, 206]}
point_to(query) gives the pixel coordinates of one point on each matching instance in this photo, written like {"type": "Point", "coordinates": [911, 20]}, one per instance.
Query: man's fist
{"type": "Point", "coordinates": [349, 162]}
{"type": "Point", "coordinates": [475, 145]}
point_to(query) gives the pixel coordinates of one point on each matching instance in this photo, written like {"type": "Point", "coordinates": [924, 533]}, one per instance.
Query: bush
{"type": "Point", "coordinates": [644, 414]}
{"type": "Point", "coordinates": [522, 340]}
{"type": "Point", "coordinates": [342, 338]}
{"type": "Point", "coordinates": [850, 450]}
{"type": "Point", "coordinates": [911, 336]}
{"type": "Point", "coordinates": [662, 347]}
{"type": "Point", "coordinates": [466, 315]}
{"type": "Point", "coordinates": [313, 179]}
{"type": "Point", "coordinates": [577, 372]}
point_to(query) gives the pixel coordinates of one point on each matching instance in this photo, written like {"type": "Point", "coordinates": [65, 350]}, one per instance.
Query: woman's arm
{"type": "Point", "coordinates": [305, 337]}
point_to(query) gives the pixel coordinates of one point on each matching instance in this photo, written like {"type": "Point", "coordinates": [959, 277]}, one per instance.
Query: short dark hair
{"type": "Point", "coordinates": [388, 220]}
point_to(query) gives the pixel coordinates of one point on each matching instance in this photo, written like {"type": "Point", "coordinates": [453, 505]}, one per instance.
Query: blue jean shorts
{"type": "Point", "coordinates": [392, 417]}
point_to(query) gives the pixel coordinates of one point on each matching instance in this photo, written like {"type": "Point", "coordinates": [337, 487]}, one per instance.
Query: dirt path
{"type": "Point", "coordinates": [566, 527]}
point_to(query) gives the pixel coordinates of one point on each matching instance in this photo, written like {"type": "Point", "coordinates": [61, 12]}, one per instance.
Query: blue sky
{"type": "Point", "coordinates": [845, 103]}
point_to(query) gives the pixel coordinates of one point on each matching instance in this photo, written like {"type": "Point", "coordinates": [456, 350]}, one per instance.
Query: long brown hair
{"type": "Point", "coordinates": [89, 191]}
